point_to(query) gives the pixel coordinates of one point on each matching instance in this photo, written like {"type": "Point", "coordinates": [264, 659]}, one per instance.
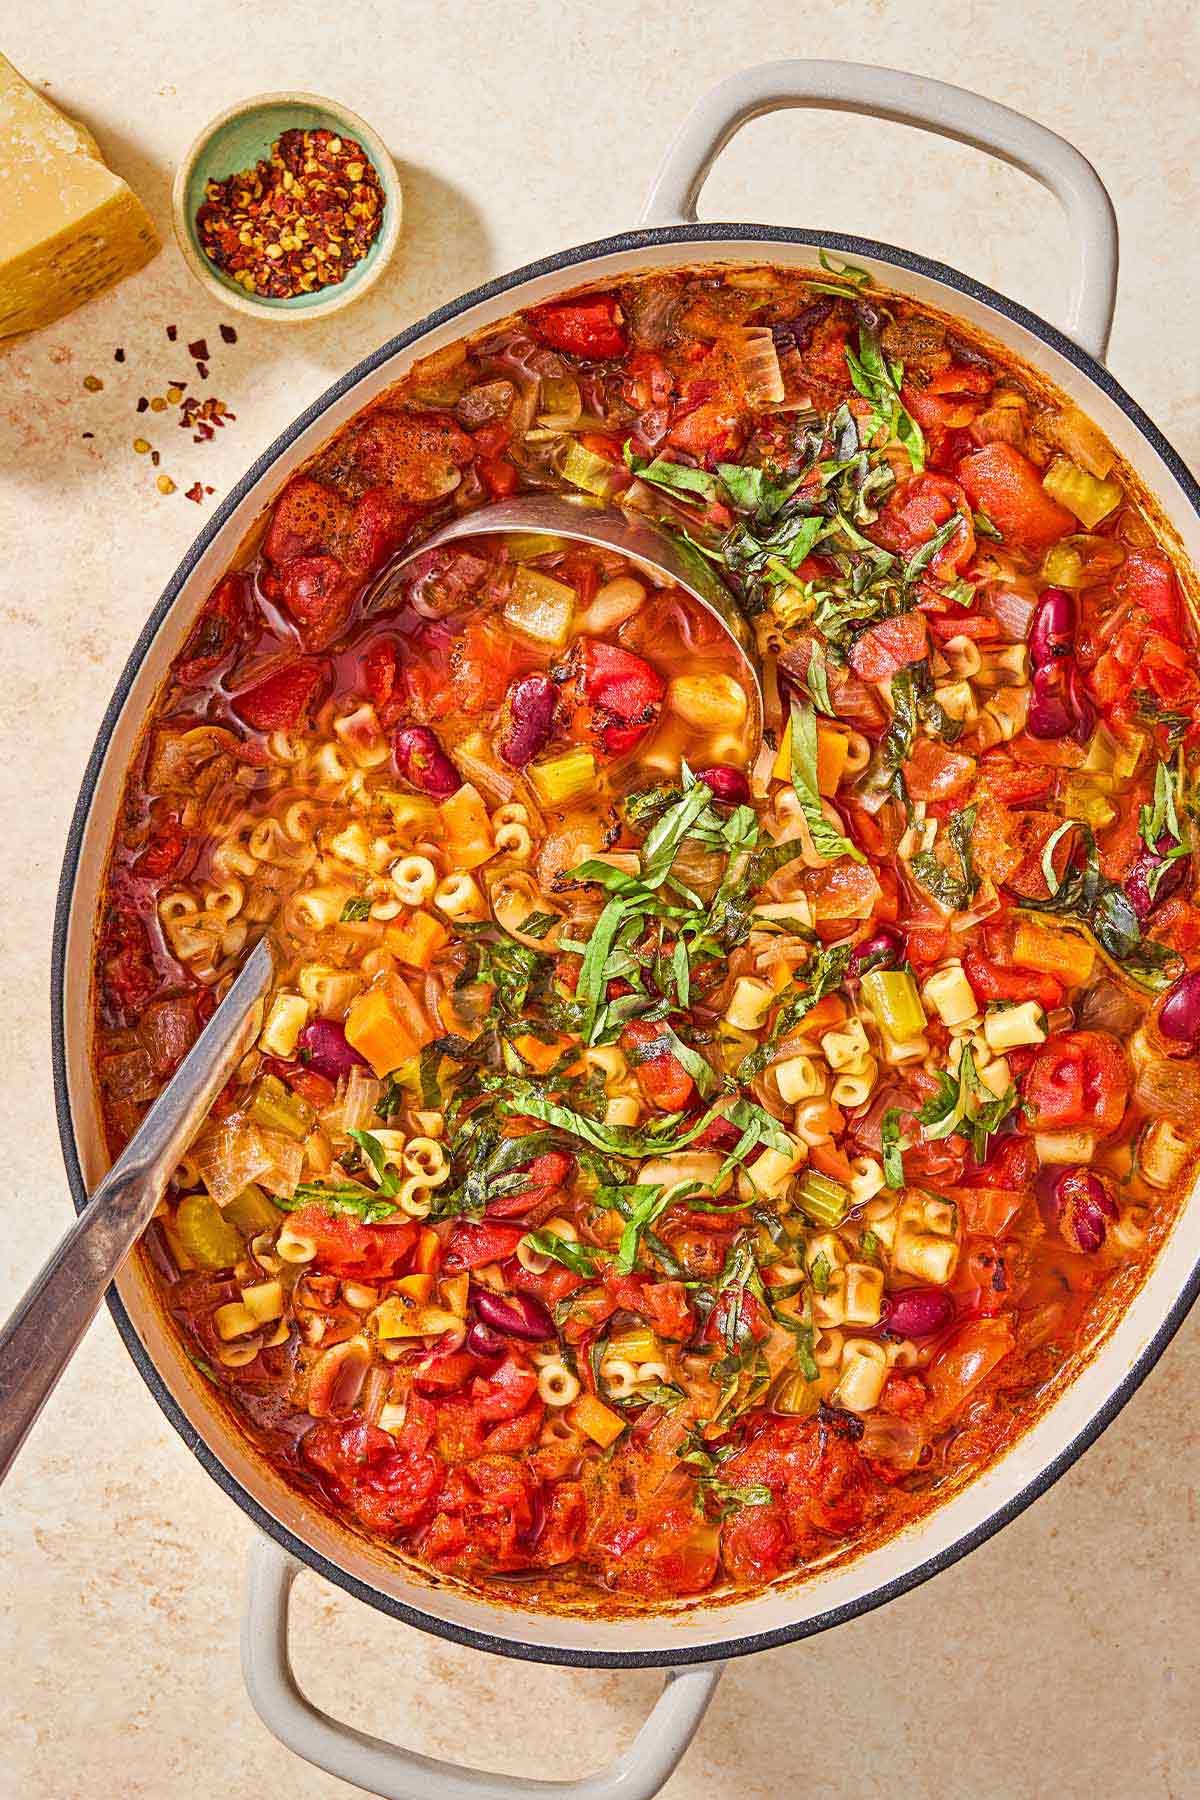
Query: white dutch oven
{"type": "Point", "coordinates": [691, 1643]}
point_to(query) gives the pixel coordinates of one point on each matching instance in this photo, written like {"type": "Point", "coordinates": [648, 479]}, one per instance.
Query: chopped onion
{"type": "Point", "coordinates": [754, 350]}
{"type": "Point", "coordinates": [358, 1102]}
{"type": "Point", "coordinates": [1171, 1090]}
{"type": "Point", "coordinates": [231, 1156]}
{"type": "Point", "coordinates": [1083, 442]}
{"type": "Point", "coordinates": [282, 1175]}
{"type": "Point", "coordinates": [1012, 607]}
{"type": "Point", "coordinates": [893, 1440]}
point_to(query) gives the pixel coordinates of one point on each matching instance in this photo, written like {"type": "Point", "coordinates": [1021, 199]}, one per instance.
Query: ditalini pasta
{"type": "Point", "coordinates": [667, 1164]}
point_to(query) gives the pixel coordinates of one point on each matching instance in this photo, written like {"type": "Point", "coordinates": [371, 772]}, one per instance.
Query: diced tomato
{"type": "Point", "coordinates": [381, 669]}
{"type": "Point", "coordinates": [663, 1304]}
{"type": "Point", "coordinates": [164, 847]}
{"type": "Point", "coordinates": [519, 1433]}
{"type": "Point", "coordinates": [563, 1525]}
{"type": "Point", "coordinates": [415, 455]}
{"type": "Point", "coordinates": [318, 593]}
{"type": "Point", "coordinates": [1014, 782]}
{"type": "Point", "coordinates": [967, 1360]}
{"type": "Point", "coordinates": [916, 511]}
{"type": "Point", "coordinates": [990, 981]}
{"type": "Point", "coordinates": [626, 691]}
{"type": "Point", "coordinates": [309, 519]}
{"type": "Point", "coordinates": [905, 1395]}
{"type": "Point", "coordinates": [889, 646]}
{"type": "Point", "coordinates": [1011, 1164]}
{"type": "Point", "coordinates": [656, 1552]}
{"type": "Point", "coordinates": [936, 772]}
{"type": "Point", "coordinates": [757, 1544]}
{"type": "Point", "coordinates": [499, 476]}
{"type": "Point", "coordinates": [347, 1247]}
{"type": "Point", "coordinates": [377, 529]}
{"type": "Point", "coordinates": [663, 1080]}
{"type": "Point", "coordinates": [1077, 1079]}
{"type": "Point", "coordinates": [1004, 484]}
{"type": "Point", "coordinates": [306, 1082]}
{"type": "Point", "coordinates": [506, 1392]}
{"type": "Point", "coordinates": [591, 327]}
{"type": "Point", "coordinates": [1147, 580]}
{"type": "Point", "coordinates": [217, 631]}
{"type": "Point", "coordinates": [390, 1483]}
{"type": "Point", "coordinates": [471, 1246]}
{"type": "Point", "coordinates": [282, 700]}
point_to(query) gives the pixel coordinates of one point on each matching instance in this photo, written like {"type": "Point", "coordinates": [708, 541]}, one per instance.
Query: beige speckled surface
{"type": "Point", "coordinates": [1064, 1657]}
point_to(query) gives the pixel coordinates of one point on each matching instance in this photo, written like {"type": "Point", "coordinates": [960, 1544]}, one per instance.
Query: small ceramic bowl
{"type": "Point", "coordinates": [237, 139]}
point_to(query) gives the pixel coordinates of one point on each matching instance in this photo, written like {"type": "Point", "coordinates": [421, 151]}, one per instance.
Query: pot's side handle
{"type": "Point", "coordinates": [951, 112]}
{"type": "Point", "coordinates": [377, 1767]}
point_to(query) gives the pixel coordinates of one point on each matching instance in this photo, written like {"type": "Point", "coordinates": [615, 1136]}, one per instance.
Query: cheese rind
{"type": "Point", "coordinates": [69, 227]}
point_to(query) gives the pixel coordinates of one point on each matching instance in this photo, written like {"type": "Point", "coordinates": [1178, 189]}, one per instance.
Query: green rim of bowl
{"type": "Point", "coordinates": [237, 139]}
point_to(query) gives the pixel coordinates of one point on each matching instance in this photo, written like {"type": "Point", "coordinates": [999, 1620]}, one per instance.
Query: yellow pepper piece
{"type": "Point", "coordinates": [833, 749]}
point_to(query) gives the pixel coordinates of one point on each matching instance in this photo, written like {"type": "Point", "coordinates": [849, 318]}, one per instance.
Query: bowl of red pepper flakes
{"type": "Point", "coordinates": [288, 206]}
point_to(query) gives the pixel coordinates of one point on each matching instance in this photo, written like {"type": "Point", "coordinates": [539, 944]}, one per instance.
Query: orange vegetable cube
{"type": "Point", "coordinates": [540, 1056]}
{"type": "Point", "coordinates": [428, 1252]}
{"type": "Point", "coordinates": [380, 1030]}
{"type": "Point", "coordinates": [468, 828]}
{"type": "Point", "coordinates": [418, 1287]}
{"type": "Point", "coordinates": [597, 1421]}
{"type": "Point", "coordinates": [416, 939]}
{"type": "Point", "coordinates": [1060, 953]}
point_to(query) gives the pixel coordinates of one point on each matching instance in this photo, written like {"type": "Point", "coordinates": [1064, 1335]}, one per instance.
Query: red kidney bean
{"type": "Point", "coordinates": [1060, 706]}
{"type": "Point", "coordinates": [1137, 882]}
{"type": "Point", "coordinates": [918, 1312]}
{"type": "Point", "coordinates": [483, 1342]}
{"type": "Point", "coordinates": [422, 761]}
{"type": "Point", "coordinates": [729, 785]}
{"type": "Point", "coordinates": [516, 1315]}
{"type": "Point", "coordinates": [1052, 630]}
{"type": "Point", "coordinates": [328, 1052]}
{"type": "Point", "coordinates": [882, 950]}
{"type": "Point", "coordinates": [1179, 1013]}
{"type": "Point", "coordinates": [1084, 1206]}
{"type": "Point", "coordinates": [528, 718]}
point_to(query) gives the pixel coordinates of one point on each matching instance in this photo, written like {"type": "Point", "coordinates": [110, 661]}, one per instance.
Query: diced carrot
{"type": "Point", "coordinates": [827, 1159]}
{"type": "Point", "coordinates": [597, 1421]}
{"type": "Point", "coordinates": [377, 1028]}
{"type": "Point", "coordinates": [539, 1055]}
{"type": "Point", "coordinates": [468, 828]}
{"type": "Point", "coordinates": [416, 939]}
{"type": "Point", "coordinates": [934, 772]}
{"type": "Point", "coordinates": [428, 1252]}
{"type": "Point", "coordinates": [1005, 485]}
{"type": "Point", "coordinates": [1061, 953]}
{"type": "Point", "coordinates": [829, 1011]}
{"type": "Point", "coordinates": [884, 648]}
{"type": "Point", "coordinates": [833, 749]}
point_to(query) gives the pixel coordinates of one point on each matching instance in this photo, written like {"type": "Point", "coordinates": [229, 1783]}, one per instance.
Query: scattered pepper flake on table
{"type": "Point", "coordinates": [297, 223]}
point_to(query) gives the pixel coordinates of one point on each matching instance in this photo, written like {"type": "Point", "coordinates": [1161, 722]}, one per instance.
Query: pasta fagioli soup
{"type": "Point", "coordinates": [671, 1161]}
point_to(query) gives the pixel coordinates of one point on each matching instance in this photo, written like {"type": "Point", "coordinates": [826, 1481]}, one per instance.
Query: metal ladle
{"type": "Point", "coordinates": [643, 542]}
{"type": "Point", "coordinates": [49, 1322]}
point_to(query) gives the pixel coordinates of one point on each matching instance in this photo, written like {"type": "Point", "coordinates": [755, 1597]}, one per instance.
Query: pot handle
{"type": "Point", "coordinates": [951, 112]}
{"type": "Point", "coordinates": [377, 1767]}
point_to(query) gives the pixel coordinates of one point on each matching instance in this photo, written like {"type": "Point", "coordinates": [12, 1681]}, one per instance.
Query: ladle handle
{"type": "Point", "coordinates": [45, 1330]}
{"type": "Point", "coordinates": [951, 112]}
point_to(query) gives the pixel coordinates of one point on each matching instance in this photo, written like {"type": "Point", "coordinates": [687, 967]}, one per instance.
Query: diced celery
{"type": "Point", "coordinates": [797, 1396]}
{"type": "Point", "coordinates": [276, 1109]}
{"type": "Point", "coordinates": [252, 1212]}
{"type": "Point", "coordinates": [584, 469]}
{"type": "Point", "coordinates": [205, 1235]}
{"type": "Point", "coordinates": [527, 546]}
{"type": "Point", "coordinates": [1084, 799]}
{"type": "Point", "coordinates": [1127, 758]}
{"type": "Point", "coordinates": [1090, 500]}
{"type": "Point", "coordinates": [1062, 565]}
{"type": "Point", "coordinates": [560, 401]}
{"type": "Point", "coordinates": [823, 1199]}
{"type": "Point", "coordinates": [564, 777]}
{"type": "Point", "coordinates": [638, 1345]}
{"type": "Point", "coordinates": [892, 996]}
{"type": "Point", "coordinates": [540, 607]}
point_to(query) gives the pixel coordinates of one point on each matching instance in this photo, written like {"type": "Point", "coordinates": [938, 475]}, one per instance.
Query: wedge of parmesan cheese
{"type": "Point", "coordinates": [69, 227]}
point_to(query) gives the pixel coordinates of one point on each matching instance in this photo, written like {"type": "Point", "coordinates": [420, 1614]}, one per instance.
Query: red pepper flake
{"type": "Point", "coordinates": [297, 223]}
{"type": "Point", "coordinates": [228, 334]}
{"type": "Point", "coordinates": [199, 350]}
{"type": "Point", "coordinates": [143, 404]}
{"type": "Point", "coordinates": [118, 356]}
{"type": "Point", "coordinates": [87, 434]}
{"type": "Point", "coordinates": [209, 490]}
{"type": "Point", "coordinates": [172, 333]}
{"type": "Point", "coordinates": [155, 458]}
{"type": "Point", "coordinates": [92, 383]}
{"type": "Point", "coordinates": [202, 371]}
{"type": "Point", "coordinates": [195, 492]}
